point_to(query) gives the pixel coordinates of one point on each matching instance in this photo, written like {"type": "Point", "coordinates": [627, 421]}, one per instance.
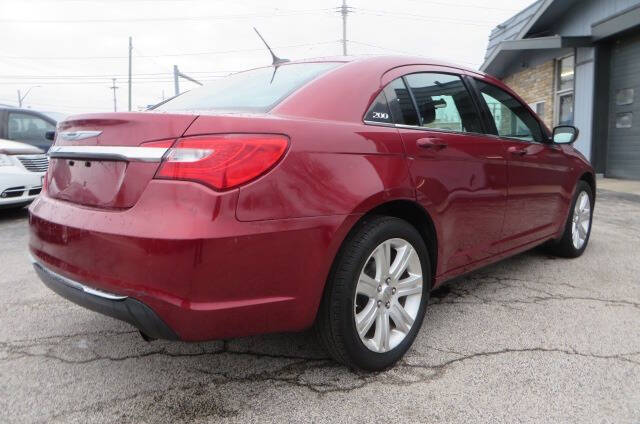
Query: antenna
{"type": "Point", "coordinates": [276, 60]}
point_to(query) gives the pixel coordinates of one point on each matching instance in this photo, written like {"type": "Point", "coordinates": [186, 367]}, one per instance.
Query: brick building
{"type": "Point", "coordinates": [577, 62]}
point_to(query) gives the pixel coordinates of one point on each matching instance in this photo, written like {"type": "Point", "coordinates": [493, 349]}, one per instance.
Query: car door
{"type": "Point", "coordinates": [536, 169]}
{"type": "Point", "coordinates": [459, 172]}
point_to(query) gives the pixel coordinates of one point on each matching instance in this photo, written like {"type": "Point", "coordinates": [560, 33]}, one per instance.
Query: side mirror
{"type": "Point", "coordinates": [50, 135]}
{"type": "Point", "coordinates": [565, 134]}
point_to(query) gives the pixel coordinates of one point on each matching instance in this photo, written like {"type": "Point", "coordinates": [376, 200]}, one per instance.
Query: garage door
{"type": "Point", "coordinates": [623, 146]}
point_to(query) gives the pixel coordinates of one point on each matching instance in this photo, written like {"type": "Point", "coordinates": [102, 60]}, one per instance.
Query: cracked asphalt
{"type": "Point", "coordinates": [530, 339]}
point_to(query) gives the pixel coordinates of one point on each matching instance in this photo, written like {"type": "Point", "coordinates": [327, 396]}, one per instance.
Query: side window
{"type": "Point", "coordinates": [400, 103]}
{"type": "Point", "coordinates": [512, 119]}
{"type": "Point", "coordinates": [444, 103]}
{"type": "Point", "coordinates": [379, 110]}
{"type": "Point", "coordinates": [28, 128]}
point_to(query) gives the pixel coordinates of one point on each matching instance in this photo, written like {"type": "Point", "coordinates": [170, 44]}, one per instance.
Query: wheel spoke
{"type": "Point", "coordinates": [383, 331]}
{"type": "Point", "coordinates": [410, 285]}
{"type": "Point", "coordinates": [576, 239]}
{"type": "Point", "coordinates": [585, 226]}
{"type": "Point", "coordinates": [381, 256]}
{"type": "Point", "coordinates": [401, 318]}
{"type": "Point", "coordinates": [367, 286]}
{"type": "Point", "coordinates": [582, 232]}
{"type": "Point", "coordinates": [401, 261]}
{"type": "Point", "coordinates": [366, 318]}
{"type": "Point", "coordinates": [583, 200]}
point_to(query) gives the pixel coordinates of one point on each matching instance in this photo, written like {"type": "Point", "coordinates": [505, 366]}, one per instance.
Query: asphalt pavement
{"type": "Point", "coordinates": [531, 339]}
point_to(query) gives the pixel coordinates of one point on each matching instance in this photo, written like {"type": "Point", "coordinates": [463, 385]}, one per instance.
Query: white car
{"type": "Point", "coordinates": [22, 169]}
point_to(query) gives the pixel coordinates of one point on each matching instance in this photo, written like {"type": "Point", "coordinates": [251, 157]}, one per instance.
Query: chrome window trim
{"type": "Point", "coordinates": [118, 153]}
{"type": "Point", "coordinates": [379, 124]}
{"type": "Point", "coordinates": [74, 284]}
{"type": "Point", "coordinates": [416, 127]}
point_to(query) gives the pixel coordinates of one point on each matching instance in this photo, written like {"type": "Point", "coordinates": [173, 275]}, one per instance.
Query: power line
{"type": "Point", "coordinates": [403, 51]}
{"type": "Point", "coordinates": [210, 52]}
{"type": "Point", "coordinates": [167, 19]}
{"type": "Point", "coordinates": [399, 15]}
{"type": "Point", "coordinates": [451, 4]}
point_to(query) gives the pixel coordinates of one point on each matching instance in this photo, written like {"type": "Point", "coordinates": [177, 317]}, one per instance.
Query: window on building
{"type": "Point", "coordinates": [565, 76]}
{"type": "Point", "coordinates": [538, 108]}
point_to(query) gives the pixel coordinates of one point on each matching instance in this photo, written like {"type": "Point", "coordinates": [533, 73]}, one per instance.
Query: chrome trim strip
{"type": "Point", "coordinates": [121, 153]}
{"type": "Point", "coordinates": [379, 124]}
{"type": "Point", "coordinates": [440, 130]}
{"type": "Point", "coordinates": [79, 135]}
{"type": "Point", "coordinates": [75, 284]}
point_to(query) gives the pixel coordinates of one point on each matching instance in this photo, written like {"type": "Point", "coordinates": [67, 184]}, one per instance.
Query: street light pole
{"type": "Point", "coordinates": [21, 98]}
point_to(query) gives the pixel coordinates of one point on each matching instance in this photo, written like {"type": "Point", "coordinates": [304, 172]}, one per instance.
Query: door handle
{"type": "Point", "coordinates": [431, 143]}
{"type": "Point", "coordinates": [517, 151]}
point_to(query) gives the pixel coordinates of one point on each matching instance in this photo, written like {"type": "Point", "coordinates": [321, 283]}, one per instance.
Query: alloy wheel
{"type": "Point", "coordinates": [388, 295]}
{"type": "Point", "coordinates": [581, 220]}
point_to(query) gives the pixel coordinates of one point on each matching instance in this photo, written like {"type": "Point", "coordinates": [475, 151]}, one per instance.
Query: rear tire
{"type": "Point", "coordinates": [578, 226]}
{"type": "Point", "coordinates": [376, 294]}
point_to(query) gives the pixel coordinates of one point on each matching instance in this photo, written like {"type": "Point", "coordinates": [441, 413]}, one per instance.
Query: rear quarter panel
{"type": "Point", "coordinates": [330, 168]}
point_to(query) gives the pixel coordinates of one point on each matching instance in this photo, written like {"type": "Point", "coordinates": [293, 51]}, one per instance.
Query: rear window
{"type": "Point", "coordinates": [258, 90]}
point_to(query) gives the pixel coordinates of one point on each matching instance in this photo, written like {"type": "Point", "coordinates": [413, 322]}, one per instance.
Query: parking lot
{"type": "Point", "coordinates": [533, 338]}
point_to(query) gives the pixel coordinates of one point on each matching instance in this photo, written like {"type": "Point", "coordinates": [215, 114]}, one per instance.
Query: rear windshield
{"type": "Point", "coordinates": [257, 90]}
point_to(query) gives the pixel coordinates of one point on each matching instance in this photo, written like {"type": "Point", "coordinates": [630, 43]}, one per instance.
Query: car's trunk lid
{"type": "Point", "coordinates": [107, 160]}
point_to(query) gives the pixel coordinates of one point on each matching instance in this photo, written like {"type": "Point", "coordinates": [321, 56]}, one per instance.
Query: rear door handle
{"type": "Point", "coordinates": [431, 143]}
{"type": "Point", "coordinates": [517, 151]}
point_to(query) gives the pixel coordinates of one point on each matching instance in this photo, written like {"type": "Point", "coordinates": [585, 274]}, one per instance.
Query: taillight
{"type": "Point", "coordinates": [222, 161]}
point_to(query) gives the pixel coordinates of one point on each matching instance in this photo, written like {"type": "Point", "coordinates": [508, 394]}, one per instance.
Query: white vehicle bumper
{"type": "Point", "coordinates": [19, 186]}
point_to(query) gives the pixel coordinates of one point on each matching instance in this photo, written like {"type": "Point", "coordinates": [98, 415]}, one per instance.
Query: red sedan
{"type": "Point", "coordinates": [336, 193]}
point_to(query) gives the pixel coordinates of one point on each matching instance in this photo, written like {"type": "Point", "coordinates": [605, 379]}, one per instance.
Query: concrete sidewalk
{"type": "Point", "coordinates": [621, 186]}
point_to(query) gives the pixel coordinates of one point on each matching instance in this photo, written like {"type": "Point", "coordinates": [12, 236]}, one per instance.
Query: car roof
{"type": "Point", "coordinates": [43, 115]}
{"type": "Point", "coordinates": [387, 61]}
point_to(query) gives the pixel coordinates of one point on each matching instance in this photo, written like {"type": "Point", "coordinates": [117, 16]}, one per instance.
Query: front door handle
{"type": "Point", "coordinates": [431, 143]}
{"type": "Point", "coordinates": [517, 151]}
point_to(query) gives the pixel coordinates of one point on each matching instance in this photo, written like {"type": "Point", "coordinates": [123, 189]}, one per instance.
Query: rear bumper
{"type": "Point", "coordinates": [123, 308]}
{"type": "Point", "coordinates": [181, 252]}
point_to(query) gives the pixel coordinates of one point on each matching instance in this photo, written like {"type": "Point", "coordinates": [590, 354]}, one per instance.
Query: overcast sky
{"type": "Point", "coordinates": [71, 49]}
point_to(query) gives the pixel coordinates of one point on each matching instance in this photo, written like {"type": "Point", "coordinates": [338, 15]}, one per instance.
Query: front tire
{"type": "Point", "coordinates": [376, 294]}
{"type": "Point", "coordinates": [578, 226]}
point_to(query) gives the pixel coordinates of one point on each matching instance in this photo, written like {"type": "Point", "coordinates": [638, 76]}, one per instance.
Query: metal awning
{"type": "Point", "coordinates": [508, 50]}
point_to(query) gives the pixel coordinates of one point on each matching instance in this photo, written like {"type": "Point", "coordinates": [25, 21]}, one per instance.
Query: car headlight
{"type": "Point", "coordinates": [6, 160]}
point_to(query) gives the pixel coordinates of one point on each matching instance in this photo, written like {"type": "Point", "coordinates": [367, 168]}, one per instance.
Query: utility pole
{"type": "Point", "coordinates": [176, 79]}
{"type": "Point", "coordinates": [114, 88]}
{"type": "Point", "coordinates": [344, 11]}
{"type": "Point", "coordinates": [130, 50]}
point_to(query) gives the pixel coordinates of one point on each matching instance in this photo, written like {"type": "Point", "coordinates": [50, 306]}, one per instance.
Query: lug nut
{"type": "Point", "coordinates": [388, 280]}
{"type": "Point", "coordinates": [393, 290]}
{"type": "Point", "coordinates": [379, 303]}
{"type": "Point", "coordinates": [379, 289]}
{"type": "Point", "coordinates": [387, 305]}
